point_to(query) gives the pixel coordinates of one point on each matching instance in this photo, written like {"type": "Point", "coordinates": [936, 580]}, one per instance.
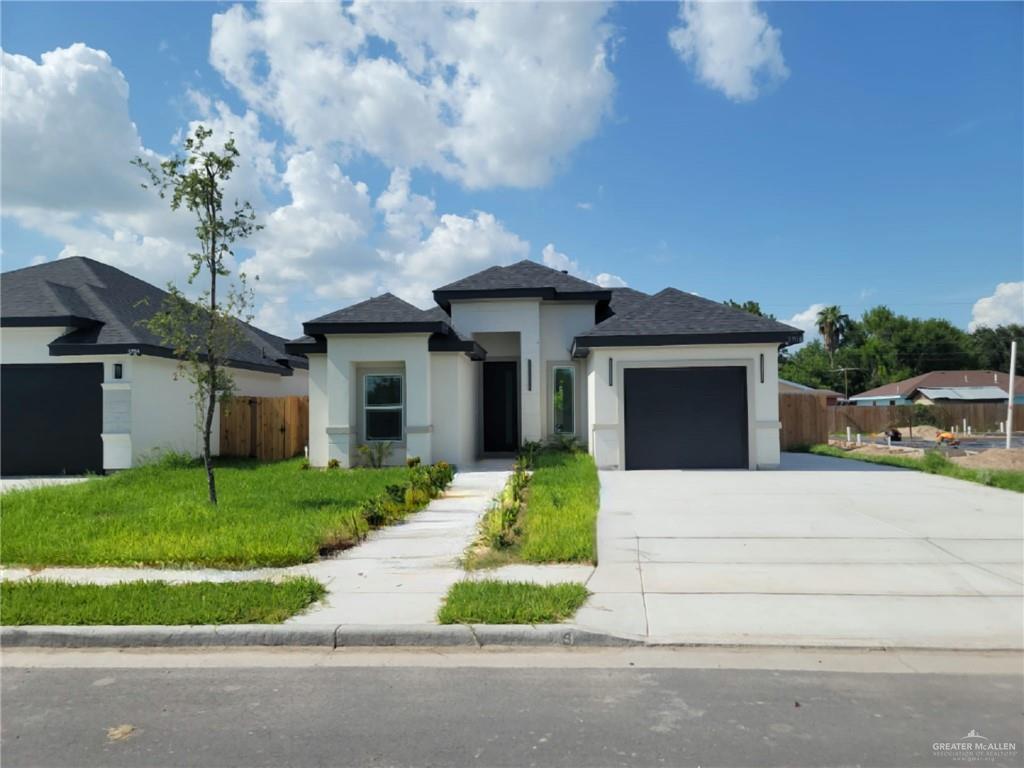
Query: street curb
{"type": "Point", "coordinates": [308, 635]}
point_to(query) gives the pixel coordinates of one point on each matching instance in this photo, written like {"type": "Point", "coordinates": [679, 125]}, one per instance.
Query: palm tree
{"type": "Point", "coordinates": [833, 326]}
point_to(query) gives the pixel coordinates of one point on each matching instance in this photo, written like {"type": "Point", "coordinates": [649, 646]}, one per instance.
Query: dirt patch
{"type": "Point", "coordinates": [881, 450]}
{"type": "Point", "coordinates": [921, 431]}
{"type": "Point", "coordinates": [994, 458]}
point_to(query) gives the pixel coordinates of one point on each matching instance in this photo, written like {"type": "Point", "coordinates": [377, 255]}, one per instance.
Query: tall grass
{"type": "Point", "coordinates": [269, 515]}
{"type": "Point", "coordinates": [507, 602]}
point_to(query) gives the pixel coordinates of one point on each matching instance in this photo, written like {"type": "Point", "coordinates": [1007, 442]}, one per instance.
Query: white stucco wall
{"type": "Point", "coordinates": [512, 315]}
{"type": "Point", "coordinates": [335, 404]}
{"type": "Point", "coordinates": [148, 409]}
{"type": "Point", "coordinates": [454, 407]}
{"type": "Point", "coordinates": [605, 401]}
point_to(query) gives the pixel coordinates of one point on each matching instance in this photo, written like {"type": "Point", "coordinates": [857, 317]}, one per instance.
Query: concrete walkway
{"type": "Point", "coordinates": [397, 576]}
{"type": "Point", "coordinates": [824, 552]}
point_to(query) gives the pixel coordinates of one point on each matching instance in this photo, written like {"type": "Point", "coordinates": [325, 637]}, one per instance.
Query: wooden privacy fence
{"type": "Point", "coordinates": [264, 428]}
{"type": "Point", "coordinates": [804, 420]}
{"type": "Point", "coordinates": [981, 417]}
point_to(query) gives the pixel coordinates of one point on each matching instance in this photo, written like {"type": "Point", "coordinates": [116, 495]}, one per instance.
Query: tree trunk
{"type": "Point", "coordinates": [211, 404]}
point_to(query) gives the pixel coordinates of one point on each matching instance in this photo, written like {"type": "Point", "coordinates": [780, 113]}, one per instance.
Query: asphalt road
{"type": "Point", "coordinates": [382, 715]}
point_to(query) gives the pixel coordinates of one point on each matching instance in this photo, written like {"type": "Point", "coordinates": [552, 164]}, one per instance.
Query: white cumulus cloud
{"type": "Point", "coordinates": [489, 94]}
{"type": "Point", "coordinates": [730, 45]}
{"type": "Point", "coordinates": [807, 321]}
{"type": "Point", "coordinates": [557, 260]}
{"type": "Point", "coordinates": [1004, 307]}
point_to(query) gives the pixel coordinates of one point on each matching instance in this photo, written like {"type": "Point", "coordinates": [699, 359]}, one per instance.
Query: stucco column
{"type": "Point", "coordinates": [531, 371]}
{"type": "Point", "coordinates": [339, 405]}
{"type": "Point", "coordinates": [418, 425]}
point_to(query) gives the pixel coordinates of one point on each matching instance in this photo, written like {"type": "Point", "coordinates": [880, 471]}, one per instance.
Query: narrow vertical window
{"type": "Point", "coordinates": [529, 375]}
{"type": "Point", "coordinates": [118, 371]}
{"type": "Point", "coordinates": [762, 367]}
{"type": "Point", "coordinates": [383, 406]}
{"type": "Point", "coordinates": [563, 399]}
{"type": "Point", "coordinates": [611, 372]}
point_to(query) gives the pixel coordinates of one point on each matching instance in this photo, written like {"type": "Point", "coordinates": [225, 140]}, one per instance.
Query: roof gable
{"type": "Point", "coordinates": [108, 307]}
{"type": "Point", "coordinates": [672, 316]}
{"type": "Point", "coordinates": [524, 279]}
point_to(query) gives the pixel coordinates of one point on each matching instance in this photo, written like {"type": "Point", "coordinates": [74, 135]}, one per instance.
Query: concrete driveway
{"type": "Point", "coordinates": [823, 552]}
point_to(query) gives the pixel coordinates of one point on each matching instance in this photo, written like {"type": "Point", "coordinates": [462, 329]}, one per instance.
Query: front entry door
{"type": "Point", "coordinates": [501, 407]}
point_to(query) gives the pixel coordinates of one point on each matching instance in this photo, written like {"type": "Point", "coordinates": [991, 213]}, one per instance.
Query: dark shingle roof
{"type": "Point", "coordinates": [523, 279]}
{"type": "Point", "coordinates": [386, 314]}
{"type": "Point", "coordinates": [626, 299]}
{"type": "Point", "coordinates": [676, 317]}
{"type": "Point", "coordinates": [106, 306]}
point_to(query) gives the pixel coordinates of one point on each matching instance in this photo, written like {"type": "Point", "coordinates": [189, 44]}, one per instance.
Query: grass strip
{"type": "Point", "coordinates": [269, 515]}
{"type": "Point", "coordinates": [510, 602]}
{"type": "Point", "coordinates": [39, 601]}
{"type": "Point", "coordinates": [560, 522]}
{"type": "Point", "coordinates": [934, 464]}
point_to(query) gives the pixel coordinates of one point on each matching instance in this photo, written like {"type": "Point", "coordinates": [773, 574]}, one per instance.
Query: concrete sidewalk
{"type": "Point", "coordinates": [398, 576]}
{"type": "Point", "coordinates": [826, 552]}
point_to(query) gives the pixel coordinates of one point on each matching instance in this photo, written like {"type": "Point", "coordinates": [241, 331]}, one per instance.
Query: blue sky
{"type": "Point", "coordinates": [841, 153]}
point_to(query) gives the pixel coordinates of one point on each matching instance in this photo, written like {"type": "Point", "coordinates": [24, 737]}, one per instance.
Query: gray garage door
{"type": "Point", "coordinates": [686, 418]}
{"type": "Point", "coordinates": [51, 418]}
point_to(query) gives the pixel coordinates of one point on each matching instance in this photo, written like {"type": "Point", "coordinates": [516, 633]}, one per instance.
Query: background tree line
{"type": "Point", "coordinates": [883, 346]}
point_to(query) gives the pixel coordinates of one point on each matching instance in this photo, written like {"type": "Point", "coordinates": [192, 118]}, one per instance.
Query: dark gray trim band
{"type": "Point", "coordinates": [444, 298]}
{"type": "Point", "coordinates": [321, 329]}
{"type": "Point", "coordinates": [52, 321]}
{"type": "Point", "coordinates": [581, 345]}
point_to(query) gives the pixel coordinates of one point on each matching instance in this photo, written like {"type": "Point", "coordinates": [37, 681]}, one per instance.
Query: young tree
{"type": "Point", "coordinates": [753, 307]}
{"type": "Point", "coordinates": [203, 332]}
{"type": "Point", "coordinates": [832, 325]}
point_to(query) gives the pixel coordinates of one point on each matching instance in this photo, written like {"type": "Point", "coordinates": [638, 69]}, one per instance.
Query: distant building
{"type": "Point", "coordinates": [830, 396]}
{"type": "Point", "coordinates": [944, 387]}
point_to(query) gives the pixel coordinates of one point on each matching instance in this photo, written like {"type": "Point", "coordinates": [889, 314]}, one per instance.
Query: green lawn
{"type": "Point", "coordinates": [935, 464]}
{"type": "Point", "coordinates": [269, 515]}
{"type": "Point", "coordinates": [39, 601]}
{"type": "Point", "coordinates": [558, 522]}
{"type": "Point", "coordinates": [509, 602]}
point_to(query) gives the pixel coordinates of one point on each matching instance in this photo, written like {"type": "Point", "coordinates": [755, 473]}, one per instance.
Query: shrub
{"type": "Point", "coordinates": [528, 452]}
{"type": "Point", "coordinates": [934, 462]}
{"type": "Point", "coordinates": [567, 443]}
{"type": "Point", "coordinates": [396, 501]}
{"type": "Point", "coordinates": [333, 464]}
{"type": "Point", "coordinates": [375, 454]}
{"type": "Point", "coordinates": [412, 461]}
{"type": "Point", "coordinates": [304, 464]}
{"type": "Point", "coordinates": [170, 459]}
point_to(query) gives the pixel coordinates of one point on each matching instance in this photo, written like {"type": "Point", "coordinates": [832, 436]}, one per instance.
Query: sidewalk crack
{"type": "Point", "coordinates": [643, 592]}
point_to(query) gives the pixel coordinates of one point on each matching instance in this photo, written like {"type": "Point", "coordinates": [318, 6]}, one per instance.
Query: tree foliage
{"type": "Point", "coordinates": [203, 331]}
{"type": "Point", "coordinates": [883, 347]}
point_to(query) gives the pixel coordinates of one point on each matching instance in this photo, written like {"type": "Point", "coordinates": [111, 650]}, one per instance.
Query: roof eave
{"type": "Point", "coordinates": [581, 344]}
{"type": "Point", "coordinates": [444, 298]}
{"type": "Point", "coordinates": [322, 329]}
{"type": "Point", "coordinates": [68, 349]}
{"type": "Point", "coordinates": [49, 321]}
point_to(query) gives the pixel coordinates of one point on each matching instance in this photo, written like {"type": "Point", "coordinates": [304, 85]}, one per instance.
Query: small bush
{"type": "Point", "coordinates": [412, 461]}
{"type": "Point", "coordinates": [305, 464]}
{"type": "Point", "coordinates": [168, 459]}
{"type": "Point", "coordinates": [333, 464]}
{"type": "Point", "coordinates": [567, 443]}
{"type": "Point", "coordinates": [376, 453]}
{"type": "Point", "coordinates": [528, 452]}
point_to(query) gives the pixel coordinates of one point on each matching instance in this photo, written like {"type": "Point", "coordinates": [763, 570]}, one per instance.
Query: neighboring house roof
{"type": "Point", "coordinates": [385, 314]}
{"type": "Point", "coordinates": [785, 384]}
{"type": "Point", "coordinates": [524, 279]}
{"type": "Point", "coordinates": [963, 393]}
{"type": "Point", "coordinates": [106, 308]}
{"type": "Point", "coordinates": [941, 379]}
{"type": "Point", "coordinates": [676, 317]}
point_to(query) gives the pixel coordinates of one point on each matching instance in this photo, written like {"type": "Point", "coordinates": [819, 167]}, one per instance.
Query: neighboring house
{"type": "Point", "coordinates": [944, 387]}
{"type": "Point", "coordinates": [86, 388]}
{"type": "Point", "coordinates": [523, 352]}
{"type": "Point", "coordinates": [830, 396]}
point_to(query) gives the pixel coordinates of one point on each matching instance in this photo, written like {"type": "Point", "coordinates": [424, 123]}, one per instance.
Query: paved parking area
{"type": "Point", "coordinates": [823, 552]}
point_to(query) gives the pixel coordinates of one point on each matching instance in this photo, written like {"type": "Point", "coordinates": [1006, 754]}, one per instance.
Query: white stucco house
{"type": "Point", "coordinates": [523, 352]}
{"type": "Point", "coordinates": [86, 388]}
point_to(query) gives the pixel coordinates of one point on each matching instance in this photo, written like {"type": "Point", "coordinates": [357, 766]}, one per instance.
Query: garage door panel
{"type": "Point", "coordinates": [51, 417]}
{"type": "Point", "coordinates": [686, 418]}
